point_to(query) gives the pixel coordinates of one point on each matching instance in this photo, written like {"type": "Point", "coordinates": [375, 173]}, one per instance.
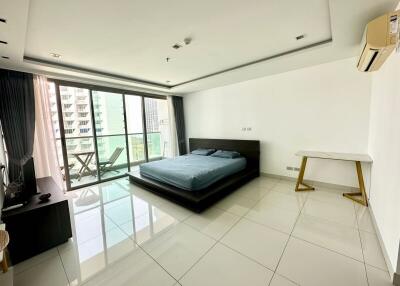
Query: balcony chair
{"type": "Point", "coordinates": [106, 166]}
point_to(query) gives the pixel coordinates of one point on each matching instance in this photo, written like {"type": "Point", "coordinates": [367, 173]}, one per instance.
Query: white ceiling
{"type": "Point", "coordinates": [123, 42]}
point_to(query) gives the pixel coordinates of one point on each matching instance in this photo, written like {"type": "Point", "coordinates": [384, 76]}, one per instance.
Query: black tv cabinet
{"type": "Point", "coordinates": [37, 227]}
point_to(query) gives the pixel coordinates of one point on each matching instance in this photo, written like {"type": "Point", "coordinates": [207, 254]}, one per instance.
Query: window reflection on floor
{"type": "Point", "coordinates": [108, 219]}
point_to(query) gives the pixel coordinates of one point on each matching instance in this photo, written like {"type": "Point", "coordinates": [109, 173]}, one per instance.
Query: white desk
{"type": "Point", "coordinates": [359, 197]}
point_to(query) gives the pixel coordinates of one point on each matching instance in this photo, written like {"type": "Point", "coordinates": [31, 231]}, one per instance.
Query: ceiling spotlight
{"type": "Point", "coordinates": [57, 56]}
{"type": "Point", "coordinates": [3, 42]}
{"type": "Point", "coordinates": [187, 41]}
{"type": "Point", "coordinates": [167, 59]}
{"type": "Point", "coordinates": [4, 57]}
{"type": "Point", "coordinates": [177, 46]}
{"type": "Point", "coordinates": [2, 20]}
{"type": "Point", "coordinates": [299, 37]}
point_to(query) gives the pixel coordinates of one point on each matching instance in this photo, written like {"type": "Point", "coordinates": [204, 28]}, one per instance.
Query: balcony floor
{"type": "Point", "coordinates": [88, 179]}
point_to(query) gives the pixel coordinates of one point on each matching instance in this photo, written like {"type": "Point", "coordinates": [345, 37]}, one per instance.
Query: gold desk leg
{"type": "Point", "coordinates": [301, 176]}
{"type": "Point", "coordinates": [353, 196]}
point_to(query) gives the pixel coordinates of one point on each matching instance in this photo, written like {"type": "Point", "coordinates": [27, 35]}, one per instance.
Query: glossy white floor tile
{"type": "Point", "coordinates": [287, 188]}
{"type": "Point", "coordinates": [253, 192]}
{"type": "Point", "coordinates": [47, 273]}
{"type": "Point", "coordinates": [7, 279]}
{"type": "Point", "coordinates": [24, 265]}
{"type": "Point", "coordinates": [263, 244]}
{"type": "Point", "coordinates": [213, 222]}
{"type": "Point", "coordinates": [274, 217]}
{"type": "Point", "coordinates": [135, 268]}
{"type": "Point", "coordinates": [327, 195]}
{"type": "Point", "coordinates": [378, 277]}
{"type": "Point", "coordinates": [263, 182]}
{"type": "Point", "coordinates": [178, 249]}
{"type": "Point", "coordinates": [284, 201]}
{"type": "Point", "coordinates": [124, 235]}
{"type": "Point", "coordinates": [343, 213]}
{"type": "Point", "coordinates": [307, 264]}
{"type": "Point", "coordinates": [225, 267]}
{"type": "Point", "coordinates": [335, 236]}
{"type": "Point", "coordinates": [278, 280]}
{"type": "Point", "coordinates": [364, 219]}
{"type": "Point", "coordinates": [236, 204]}
{"type": "Point", "coordinates": [372, 252]}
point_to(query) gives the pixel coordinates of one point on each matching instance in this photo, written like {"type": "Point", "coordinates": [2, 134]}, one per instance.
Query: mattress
{"type": "Point", "coordinates": [192, 172]}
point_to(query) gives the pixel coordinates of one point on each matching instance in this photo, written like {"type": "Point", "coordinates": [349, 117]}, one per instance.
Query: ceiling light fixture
{"type": "Point", "coordinates": [167, 59]}
{"type": "Point", "coordinates": [187, 41]}
{"type": "Point", "coordinates": [177, 46]}
{"type": "Point", "coordinates": [3, 42]}
{"type": "Point", "coordinates": [2, 20]}
{"type": "Point", "coordinates": [4, 57]}
{"type": "Point", "coordinates": [54, 55]}
{"type": "Point", "coordinates": [299, 37]}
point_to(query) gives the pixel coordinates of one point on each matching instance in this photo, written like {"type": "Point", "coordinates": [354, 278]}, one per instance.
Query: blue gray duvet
{"type": "Point", "coordinates": [192, 172]}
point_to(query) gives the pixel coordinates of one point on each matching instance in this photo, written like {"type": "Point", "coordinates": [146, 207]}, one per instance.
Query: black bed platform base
{"type": "Point", "coordinates": [202, 199]}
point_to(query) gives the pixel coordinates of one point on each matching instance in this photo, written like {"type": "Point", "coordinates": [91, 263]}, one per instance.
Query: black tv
{"type": "Point", "coordinates": [28, 179]}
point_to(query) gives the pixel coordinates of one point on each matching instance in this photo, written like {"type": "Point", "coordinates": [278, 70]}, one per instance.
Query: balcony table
{"type": "Point", "coordinates": [88, 155]}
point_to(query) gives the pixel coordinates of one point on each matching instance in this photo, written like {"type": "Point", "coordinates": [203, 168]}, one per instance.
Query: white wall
{"type": "Point", "coordinates": [384, 147]}
{"type": "Point", "coordinates": [324, 107]}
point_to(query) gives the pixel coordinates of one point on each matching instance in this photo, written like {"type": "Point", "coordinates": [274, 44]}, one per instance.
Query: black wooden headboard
{"type": "Point", "coordinates": [250, 149]}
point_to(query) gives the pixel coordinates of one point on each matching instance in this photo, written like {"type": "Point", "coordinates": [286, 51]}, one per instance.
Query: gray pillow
{"type": "Point", "coordinates": [203, 152]}
{"type": "Point", "coordinates": [226, 154]}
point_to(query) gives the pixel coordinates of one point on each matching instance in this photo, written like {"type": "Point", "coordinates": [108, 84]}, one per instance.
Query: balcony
{"type": "Point", "coordinates": [84, 148]}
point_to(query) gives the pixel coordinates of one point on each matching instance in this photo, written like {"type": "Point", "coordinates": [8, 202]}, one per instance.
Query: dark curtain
{"type": "Point", "coordinates": [17, 116]}
{"type": "Point", "coordinates": [177, 102]}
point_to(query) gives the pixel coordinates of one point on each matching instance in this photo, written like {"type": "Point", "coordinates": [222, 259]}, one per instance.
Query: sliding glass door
{"type": "Point", "coordinates": [108, 109]}
{"type": "Point", "coordinates": [134, 122]}
{"type": "Point", "coordinates": [78, 135]}
{"type": "Point", "coordinates": [102, 133]}
{"type": "Point", "coordinates": [157, 128]}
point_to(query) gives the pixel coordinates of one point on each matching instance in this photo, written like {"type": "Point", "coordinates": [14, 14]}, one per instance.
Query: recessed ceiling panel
{"type": "Point", "coordinates": [134, 38]}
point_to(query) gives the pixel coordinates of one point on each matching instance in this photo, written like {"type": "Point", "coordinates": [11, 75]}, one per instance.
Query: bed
{"type": "Point", "coordinates": [196, 181]}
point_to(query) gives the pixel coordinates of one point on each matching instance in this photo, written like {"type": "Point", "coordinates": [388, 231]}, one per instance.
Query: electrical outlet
{"type": "Point", "coordinates": [243, 128]}
{"type": "Point", "coordinates": [289, 168]}
{"type": "Point", "coordinates": [296, 169]}
{"type": "Point", "coordinates": [248, 128]}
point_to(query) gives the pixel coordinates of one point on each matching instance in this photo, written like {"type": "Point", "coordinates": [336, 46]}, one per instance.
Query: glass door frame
{"type": "Point", "coordinates": [91, 88]}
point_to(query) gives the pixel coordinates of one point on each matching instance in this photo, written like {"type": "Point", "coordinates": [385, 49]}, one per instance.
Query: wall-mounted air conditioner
{"type": "Point", "coordinates": [381, 37]}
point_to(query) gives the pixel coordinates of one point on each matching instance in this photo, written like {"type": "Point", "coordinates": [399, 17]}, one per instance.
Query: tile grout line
{"type": "Point", "coordinates": [287, 242]}
{"type": "Point", "coordinates": [218, 241]}
{"type": "Point", "coordinates": [361, 243]}
{"type": "Point", "coordinates": [140, 247]}
{"type": "Point", "coordinates": [63, 266]}
{"type": "Point", "coordinates": [30, 267]}
{"type": "Point", "coordinates": [330, 250]}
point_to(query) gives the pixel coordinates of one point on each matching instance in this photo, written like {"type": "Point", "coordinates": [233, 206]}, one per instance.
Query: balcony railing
{"type": "Point", "coordinates": [156, 151]}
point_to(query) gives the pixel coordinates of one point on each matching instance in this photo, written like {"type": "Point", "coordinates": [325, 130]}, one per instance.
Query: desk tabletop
{"type": "Point", "coordinates": [335, 156]}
